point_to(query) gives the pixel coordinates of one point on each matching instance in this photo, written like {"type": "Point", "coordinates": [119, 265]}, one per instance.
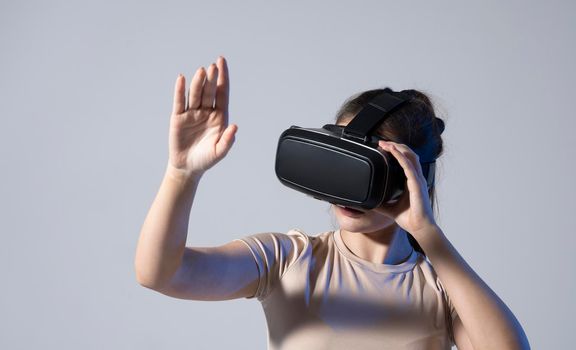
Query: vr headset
{"type": "Point", "coordinates": [343, 165]}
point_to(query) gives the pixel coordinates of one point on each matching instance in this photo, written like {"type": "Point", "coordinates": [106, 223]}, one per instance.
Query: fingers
{"type": "Point", "coordinates": [222, 85]}
{"type": "Point", "coordinates": [411, 159]}
{"type": "Point", "coordinates": [179, 104]}
{"type": "Point", "coordinates": [195, 94]}
{"type": "Point", "coordinates": [206, 87]}
{"type": "Point", "coordinates": [414, 178]}
{"type": "Point", "coordinates": [209, 91]}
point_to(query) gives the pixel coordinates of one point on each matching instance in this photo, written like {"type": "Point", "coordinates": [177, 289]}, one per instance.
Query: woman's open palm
{"type": "Point", "coordinates": [199, 132]}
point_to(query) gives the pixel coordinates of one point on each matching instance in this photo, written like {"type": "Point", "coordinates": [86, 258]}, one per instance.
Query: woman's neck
{"type": "Point", "coordinates": [387, 246]}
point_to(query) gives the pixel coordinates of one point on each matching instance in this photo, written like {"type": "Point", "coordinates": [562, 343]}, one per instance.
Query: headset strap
{"type": "Point", "coordinates": [374, 113]}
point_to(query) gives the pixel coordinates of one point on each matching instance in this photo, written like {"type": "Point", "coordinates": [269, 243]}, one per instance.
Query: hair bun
{"type": "Point", "coordinates": [439, 125]}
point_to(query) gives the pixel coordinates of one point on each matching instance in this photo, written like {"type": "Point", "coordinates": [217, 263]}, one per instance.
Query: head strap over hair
{"type": "Point", "coordinates": [375, 112]}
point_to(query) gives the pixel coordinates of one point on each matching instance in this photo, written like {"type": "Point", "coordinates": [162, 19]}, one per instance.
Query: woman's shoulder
{"type": "Point", "coordinates": [276, 252]}
{"type": "Point", "coordinates": [290, 245]}
{"type": "Point", "coordinates": [426, 269]}
{"type": "Point", "coordinates": [293, 239]}
{"type": "Point", "coordinates": [424, 265]}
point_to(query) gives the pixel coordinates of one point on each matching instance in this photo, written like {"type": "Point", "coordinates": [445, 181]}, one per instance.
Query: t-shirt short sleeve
{"type": "Point", "coordinates": [274, 253]}
{"type": "Point", "coordinates": [450, 311]}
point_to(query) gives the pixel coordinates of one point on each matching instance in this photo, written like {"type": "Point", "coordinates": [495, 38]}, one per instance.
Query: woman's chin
{"type": "Point", "coordinates": [367, 222]}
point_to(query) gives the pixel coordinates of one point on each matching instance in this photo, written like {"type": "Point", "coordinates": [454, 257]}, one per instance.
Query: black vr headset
{"type": "Point", "coordinates": [342, 165]}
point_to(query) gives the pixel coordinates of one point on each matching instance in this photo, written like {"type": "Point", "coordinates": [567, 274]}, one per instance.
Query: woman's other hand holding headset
{"type": "Point", "coordinates": [413, 211]}
{"type": "Point", "coordinates": [199, 132]}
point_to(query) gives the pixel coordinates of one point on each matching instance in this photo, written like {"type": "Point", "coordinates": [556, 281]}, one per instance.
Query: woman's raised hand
{"type": "Point", "coordinates": [199, 132]}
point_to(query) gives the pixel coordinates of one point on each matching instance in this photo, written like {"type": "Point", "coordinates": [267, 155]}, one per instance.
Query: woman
{"type": "Point", "coordinates": [387, 278]}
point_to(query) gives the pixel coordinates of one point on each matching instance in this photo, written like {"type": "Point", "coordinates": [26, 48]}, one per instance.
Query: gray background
{"type": "Point", "coordinates": [86, 94]}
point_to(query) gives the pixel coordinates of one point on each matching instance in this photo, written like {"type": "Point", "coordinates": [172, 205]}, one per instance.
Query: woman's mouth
{"type": "Point", "coordinates": [350, 212]}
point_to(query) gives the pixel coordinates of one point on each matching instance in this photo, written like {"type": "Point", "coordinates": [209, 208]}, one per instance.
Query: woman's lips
{"type": "Point", "coordinates": [353, 213]}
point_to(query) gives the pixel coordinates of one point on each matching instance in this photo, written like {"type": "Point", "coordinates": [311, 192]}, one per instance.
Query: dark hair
{"type": "Point", "coordinates": [414, 124]}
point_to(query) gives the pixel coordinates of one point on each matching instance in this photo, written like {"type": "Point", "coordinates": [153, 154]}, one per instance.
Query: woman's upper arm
{"type": "Point", "coordinates": [460, 337]}
{"type": "Point", "coordinates": [225, 272]}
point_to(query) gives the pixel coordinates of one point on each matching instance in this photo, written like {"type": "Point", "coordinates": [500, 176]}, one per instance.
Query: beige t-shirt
{"type": "Point", "coordinates": [316, 294]}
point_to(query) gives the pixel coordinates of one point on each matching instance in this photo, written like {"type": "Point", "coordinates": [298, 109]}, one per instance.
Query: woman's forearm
{"type": "Point", "coordinates": [163, 235]}
{"type": "Point", "coordinates": [488, 322]}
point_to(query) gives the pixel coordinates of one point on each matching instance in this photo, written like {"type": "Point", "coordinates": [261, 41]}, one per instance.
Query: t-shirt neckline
{"type": "Point", "coordinates": [407, 265]}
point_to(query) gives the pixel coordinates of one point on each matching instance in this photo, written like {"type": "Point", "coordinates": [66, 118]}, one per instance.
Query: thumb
{"type": "Point", "coordinates": [395, 208]}
{"type": "Point", "coordinates": [226, 140]}
{"type": "Point", "coordinates": [386, 211]}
